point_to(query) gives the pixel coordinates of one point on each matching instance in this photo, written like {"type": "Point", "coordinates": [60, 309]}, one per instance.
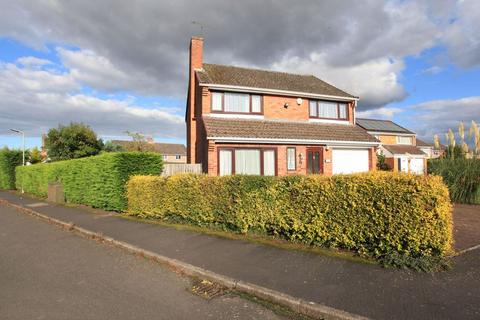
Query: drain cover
{"type": "Point", "coordinates": [207, 289]}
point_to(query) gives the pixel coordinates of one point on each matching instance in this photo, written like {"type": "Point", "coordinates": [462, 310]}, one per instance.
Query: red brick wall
{"type": "Point", "coordinates": [274, 107]}
{"type": "Point", "coordinates": [196, 62]}
{"type": "Point", "coordinates": [372, 159]}
{"type": "Point", "coordinates": [281, 150]}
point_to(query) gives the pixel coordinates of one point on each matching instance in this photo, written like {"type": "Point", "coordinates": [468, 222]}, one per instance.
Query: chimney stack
{"type": "Point", "coordinates": [196, 62]}
{"type": "Point", "coordinates": [196, 54]}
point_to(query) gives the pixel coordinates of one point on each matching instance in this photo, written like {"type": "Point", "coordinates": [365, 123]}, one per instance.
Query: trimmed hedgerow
{"type": "Point", "coordinates": [376, 214]}
{"type": "Point", "coordinates": [9, 159]}
{"type": "Point", "coordinates": [98, 181]}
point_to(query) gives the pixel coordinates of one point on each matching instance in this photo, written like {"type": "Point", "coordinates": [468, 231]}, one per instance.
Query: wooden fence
{"type": "Point", "coordinates": [173, 168]}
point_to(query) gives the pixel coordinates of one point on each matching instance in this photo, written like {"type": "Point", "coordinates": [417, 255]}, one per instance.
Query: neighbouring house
{"type": "Point", "coordinates": [249, 121]}
{"type": "Point", "coordinates": [171, 152]}
{"type": "Point", "coordinates": [399, 145]}
{"type": "Point", "coordinates": [430, 150]}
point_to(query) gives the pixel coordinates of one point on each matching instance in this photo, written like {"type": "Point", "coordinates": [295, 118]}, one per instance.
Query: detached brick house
{"type": "Point", "coordinates": [399, 145]}
{"type": "Point", "coordinates": [248, 121]}
{"type": "Point", "coordinates": [171, 152]}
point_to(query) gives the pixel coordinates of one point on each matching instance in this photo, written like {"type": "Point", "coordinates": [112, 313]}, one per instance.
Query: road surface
{"type": "Point", "coordinates": [50, 273]}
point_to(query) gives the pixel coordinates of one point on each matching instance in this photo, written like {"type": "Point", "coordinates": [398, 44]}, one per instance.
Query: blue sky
{"type": "Point", "coordinates": [415, 62]}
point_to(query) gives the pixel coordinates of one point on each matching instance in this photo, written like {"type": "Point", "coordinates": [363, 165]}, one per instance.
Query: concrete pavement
{"type": "Point", "coordinates": [360, 289]}
{"type": "Point", "coordinates": [47, 273]}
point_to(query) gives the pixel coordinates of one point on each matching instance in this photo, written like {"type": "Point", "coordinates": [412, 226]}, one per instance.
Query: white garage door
{"type": "Point", "coordinates": [416, 165]}
{"type": "Point", "coordinates": [349, 160]}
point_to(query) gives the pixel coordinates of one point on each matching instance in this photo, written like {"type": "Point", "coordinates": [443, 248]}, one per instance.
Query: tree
{"type": "Point", "coordinates": [381, 163]}
{"type": "Point", "coordinates": [139, 143]}
{"type": "Point", "coordinates": [34, 156]}
{"type": "Point", "coordinates": [109, 146]}
{"type": "Point", "coordinates": [76, 140]}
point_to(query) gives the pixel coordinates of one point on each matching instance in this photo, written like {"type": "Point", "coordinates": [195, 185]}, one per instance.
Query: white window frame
{"type": "Point", "coordinates": [262, 152]}
{"type": "Point", "coordinates": [218, 96]}
{"type": "Point", "coordinates": [399, 140]}
{"type": "Point", "coordinates": [291, 159]}
{"type": "Point", "coordinates": [315, 105]}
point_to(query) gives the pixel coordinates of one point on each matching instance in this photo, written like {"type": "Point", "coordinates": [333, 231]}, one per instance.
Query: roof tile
{"type": "Point", "coordinates": [272, 129]}
{"type": "Point", "coordinates": [262, 79]}
{"type": "Point", "coordinates": [403, 149]}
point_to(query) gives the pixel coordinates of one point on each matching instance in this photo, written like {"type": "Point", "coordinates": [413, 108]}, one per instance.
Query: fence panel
{"type": "Point", "coordinates": [173, 168]}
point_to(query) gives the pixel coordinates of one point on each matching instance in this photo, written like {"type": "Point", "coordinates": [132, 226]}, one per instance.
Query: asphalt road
{"type": "Point", "coordinates": [49, 273]}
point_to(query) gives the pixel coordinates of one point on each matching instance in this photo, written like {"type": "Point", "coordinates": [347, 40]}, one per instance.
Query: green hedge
{"type": "Point", "coordinates": [98, 181]}
{"type": "Point", "coordinates": [376, 214]}
{"type": "Point", "coordinates": [462, 177]}
{"type": "Point", "coordinates": [9, 159]}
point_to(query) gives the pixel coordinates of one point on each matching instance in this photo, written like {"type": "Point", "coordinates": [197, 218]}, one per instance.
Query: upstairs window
{"type": "Point", "coordinates": [233, 102]}
{"type": "Point", "coordinates": [328, 110]}
{"type": "Point", "coordinates": [404, 140]}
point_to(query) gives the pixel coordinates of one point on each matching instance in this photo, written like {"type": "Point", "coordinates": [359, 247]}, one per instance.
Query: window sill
{"type": "Point", "coordinates": [329, 121]}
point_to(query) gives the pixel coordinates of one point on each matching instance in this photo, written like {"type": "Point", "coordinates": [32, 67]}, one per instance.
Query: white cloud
{"type": "Point", "coordinates": [380, 113]}
{"type": "Point", "coordinates": [33, 61]}
{"type": "Point", "coordinates": [26, 80]}
{"type": "Point", "coordinates": [462, 36]}
{"type": "Point", "coordinates": [375, 82]}
{"type": "Point", "coordinates": [35, 100]}
{"type": "Point", "coordinates": [437, 116]}
{"type": "Point", "coordinates": [98, 72]}
{"type": "Point", "coordinates": [432, 70]}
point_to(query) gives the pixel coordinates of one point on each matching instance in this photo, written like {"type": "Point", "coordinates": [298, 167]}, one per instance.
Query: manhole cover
{"type": "Point", "coordinates": [207, 289]}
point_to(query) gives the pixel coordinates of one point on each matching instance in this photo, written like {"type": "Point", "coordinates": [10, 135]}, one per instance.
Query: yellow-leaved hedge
{"type": "Point", "coordinates": [376, 214]}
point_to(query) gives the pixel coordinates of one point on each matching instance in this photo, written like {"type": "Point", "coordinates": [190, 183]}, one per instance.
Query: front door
{"type": "Point", "coordinates": [314, 160]}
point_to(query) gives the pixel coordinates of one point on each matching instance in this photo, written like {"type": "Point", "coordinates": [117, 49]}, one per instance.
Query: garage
{"type": "Point", "coordinates": [349, 160]}
{"type": "Point", "coordinates": [416, 165]}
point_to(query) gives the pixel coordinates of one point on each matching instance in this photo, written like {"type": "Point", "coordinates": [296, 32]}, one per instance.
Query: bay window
{"type": "Point", "coordinates": [235, 102]}
{"type": "Point", "coordinates": [328, 110]}
{"type": "Point", "coordinates": [246, 161]}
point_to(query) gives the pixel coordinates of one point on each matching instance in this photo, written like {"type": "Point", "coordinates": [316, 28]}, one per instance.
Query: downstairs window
{"type": "Point", "coordinates": [246, 161]}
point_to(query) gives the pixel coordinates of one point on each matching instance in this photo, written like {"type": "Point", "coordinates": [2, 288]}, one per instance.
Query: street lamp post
{"type": "Point", "coordinates": [23, 147]}
{"type": "Point", "coordinates": [23, 143]}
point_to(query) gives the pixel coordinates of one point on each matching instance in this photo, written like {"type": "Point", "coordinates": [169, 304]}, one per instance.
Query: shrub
{"type": "Point", "coordinates": [462, 177]}
{"type": "Point", "coordinates": [376, 214]}
{"type": "Point", "coordinates": [76, 140]}
{"type": "Point", "coordinates": [9, 159]}
{"type": "Point", "coordinates": [97, 181]}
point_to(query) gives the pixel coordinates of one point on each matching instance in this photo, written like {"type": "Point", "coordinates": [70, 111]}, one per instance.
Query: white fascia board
{"type": "Point", "coordinates": [392, 133]}
{"type": "Point", "coordinates": [274, 91]}
{"type": "Point", "coordinates": [411, 156]}
{"type": "Point", "coordinates": [293, 141]}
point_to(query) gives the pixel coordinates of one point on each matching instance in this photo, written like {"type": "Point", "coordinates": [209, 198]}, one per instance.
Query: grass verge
{"type": "Point", "coordinates": [259, 239]}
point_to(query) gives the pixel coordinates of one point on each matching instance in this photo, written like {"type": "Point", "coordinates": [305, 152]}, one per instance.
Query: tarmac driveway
{"type": "Point", "coordinates": [466, 230]}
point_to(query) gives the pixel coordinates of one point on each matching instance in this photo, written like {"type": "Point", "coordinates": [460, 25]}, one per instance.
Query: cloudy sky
{"type": "Point", "coordinates": [120, 65]}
